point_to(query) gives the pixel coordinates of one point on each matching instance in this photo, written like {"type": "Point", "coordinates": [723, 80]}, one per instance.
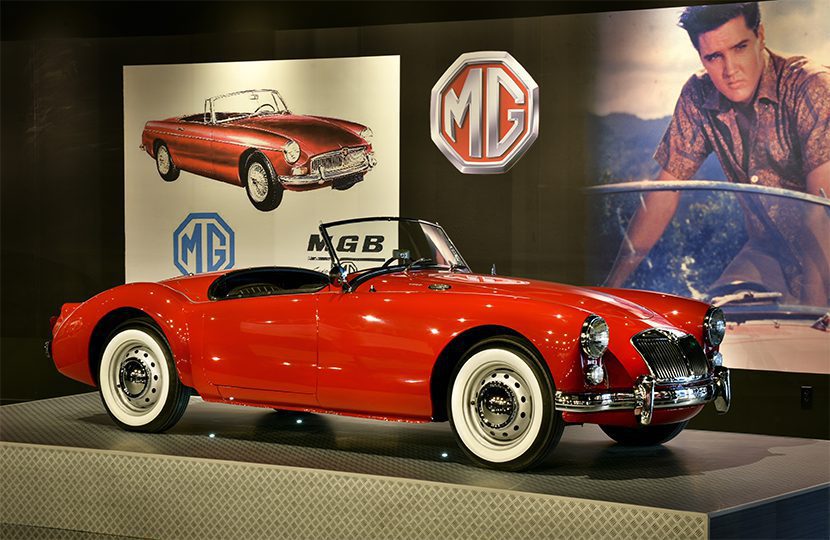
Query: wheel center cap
{"type": "Point", "coordinates": [496, 405]}
{"type": "Point", "coordinates": [134, 377]}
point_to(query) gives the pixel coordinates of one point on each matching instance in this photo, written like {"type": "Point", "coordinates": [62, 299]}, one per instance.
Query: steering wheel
{"type": "Point", "coordinates": [263, 108]}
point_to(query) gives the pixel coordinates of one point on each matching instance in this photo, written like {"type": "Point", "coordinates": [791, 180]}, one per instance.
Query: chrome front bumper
{"type": "Point", "coordinates": [648, 394]}
{"type": "Point", "coordinates": [322, 176]}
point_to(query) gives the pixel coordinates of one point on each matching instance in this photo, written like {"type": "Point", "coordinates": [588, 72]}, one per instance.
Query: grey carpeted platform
{"type": "Point", "coordinates": [711, 473]}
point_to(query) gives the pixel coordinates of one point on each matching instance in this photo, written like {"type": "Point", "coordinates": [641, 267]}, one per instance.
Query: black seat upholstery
{"type": "Point", "coordinates": [266, 281]}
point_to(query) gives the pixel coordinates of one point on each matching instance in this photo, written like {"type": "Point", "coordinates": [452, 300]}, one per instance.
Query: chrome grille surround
{"type": "Point", "coordinates": [339, 162]}
{"type": "Point", "coordinates": [671, 355]}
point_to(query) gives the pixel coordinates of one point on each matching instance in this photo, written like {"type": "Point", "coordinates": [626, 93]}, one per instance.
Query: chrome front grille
{"type": "Point", "coordinates": [671, 357]}
{"type": "Point", "coordinates": [339, 162]}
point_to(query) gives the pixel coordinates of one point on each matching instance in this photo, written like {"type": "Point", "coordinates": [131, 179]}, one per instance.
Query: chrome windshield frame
{"type": "Point", "coordinates": [212, 101]}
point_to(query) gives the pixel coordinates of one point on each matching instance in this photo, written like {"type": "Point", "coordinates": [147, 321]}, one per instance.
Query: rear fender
{"type": "Point", "coordinates": [79, 338]}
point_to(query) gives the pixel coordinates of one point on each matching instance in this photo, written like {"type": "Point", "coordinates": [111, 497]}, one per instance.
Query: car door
{"type": "Point", "coordinates": [190, 145]}
{"type": "Point", "coordinates": [377, 346]}
{"type": "Point", "coordinates": [263, 349]}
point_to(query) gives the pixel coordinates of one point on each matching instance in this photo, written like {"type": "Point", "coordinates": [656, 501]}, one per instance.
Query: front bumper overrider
{"type": "Point", "coordinates": [648, 394]}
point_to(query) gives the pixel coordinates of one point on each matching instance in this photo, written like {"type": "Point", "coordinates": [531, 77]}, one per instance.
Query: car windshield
{"type": "Point", "coordinates": [372, 243]}
{"type": "Point", "coordinates": [246, 103]}
{"type": "Point", "coordinates": [743, 247]}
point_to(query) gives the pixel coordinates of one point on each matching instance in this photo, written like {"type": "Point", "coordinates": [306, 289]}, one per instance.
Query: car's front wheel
{"type": "Point", "coordinates": [644, 435]}
{"type": "Point", "coordinates": [138, 381]}
{"type": "Point", "coordinates": [264, 189]}
{"type": "Point", "coordinates": [501, 406]}
{"type": "Point", "coordinates": [164, 163]}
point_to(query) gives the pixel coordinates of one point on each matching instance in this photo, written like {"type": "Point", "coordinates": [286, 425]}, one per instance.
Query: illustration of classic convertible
{"type": "Point", "coordinates": [404, 331]}
{"type": "Point", "coordinates": [251, 139]}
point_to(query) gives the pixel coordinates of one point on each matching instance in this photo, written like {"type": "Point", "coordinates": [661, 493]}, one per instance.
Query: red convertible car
{"type": "Point", "coordinates": [401, 329]}
{"type": "Point", "coordinates": [251, 139]}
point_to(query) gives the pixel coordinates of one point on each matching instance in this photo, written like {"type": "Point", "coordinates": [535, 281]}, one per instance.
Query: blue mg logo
{"type": "Point", "coordinates": [203, 243]}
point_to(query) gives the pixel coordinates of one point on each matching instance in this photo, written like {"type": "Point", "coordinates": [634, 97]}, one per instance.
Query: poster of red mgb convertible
{"type": "Point", "coordinates": [235, 164]}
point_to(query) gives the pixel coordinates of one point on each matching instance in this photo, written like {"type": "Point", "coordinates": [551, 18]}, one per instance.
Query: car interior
{"type": "Point", "coordinates": [266, 281]}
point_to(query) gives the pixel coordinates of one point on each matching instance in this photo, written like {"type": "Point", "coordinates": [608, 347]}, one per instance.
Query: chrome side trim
{"type": "Point", "coordinates": [637, 400]}
{"type": "Point", "coordinates": [195, 138]}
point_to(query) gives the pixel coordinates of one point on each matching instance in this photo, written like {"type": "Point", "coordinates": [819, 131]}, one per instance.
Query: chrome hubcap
{"type": "Point", "coordinates": [137, 376]}
{"type": "Point", "coordinates": [134, 378]}
{"type": "Point", "coordinates": [496, 405]}
{"type": "Point", "coordinates": [257, 182]}
{"type": "Point", "coordinates": [163, 160]}
{"type": "Point", "coordinates": [500, 400]}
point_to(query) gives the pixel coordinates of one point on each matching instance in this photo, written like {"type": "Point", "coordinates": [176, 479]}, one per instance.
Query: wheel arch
{"type": "Point", "coordinates": [246, 156]}
{"type": "Point", "coordinates": [158, 141]}
{"type": "Point", "coordinates": [243, 162]}
{"type": "Point", "coordinates": [178, 344]}
{"type": "Point", "coordinates": [454, 352]}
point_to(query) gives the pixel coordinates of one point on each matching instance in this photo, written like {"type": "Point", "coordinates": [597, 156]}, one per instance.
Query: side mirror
{"type": "Point", "coordinates": [337, 276]}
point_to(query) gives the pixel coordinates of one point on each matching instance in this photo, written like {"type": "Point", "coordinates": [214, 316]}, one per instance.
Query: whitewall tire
{"type": "Point", "coordinates": [500, 405]}
{"type": "Point", "coordinates": [138, 381]}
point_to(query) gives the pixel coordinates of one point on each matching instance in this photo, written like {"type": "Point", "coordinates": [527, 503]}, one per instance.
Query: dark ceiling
{"type": "Point", "coordinates": [61, 20]}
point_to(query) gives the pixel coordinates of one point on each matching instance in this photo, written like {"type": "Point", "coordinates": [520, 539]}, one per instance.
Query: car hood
{"type": "Point", "coordinates": [589, 300]}
{"type": "Point", "coordinates": [314, 135]}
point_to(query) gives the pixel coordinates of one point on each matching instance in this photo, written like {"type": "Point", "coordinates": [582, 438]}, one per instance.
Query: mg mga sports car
{"type": "Point", "coordinates": [251, 139]}
{"type": "Point", "coordinates": [401, 329]}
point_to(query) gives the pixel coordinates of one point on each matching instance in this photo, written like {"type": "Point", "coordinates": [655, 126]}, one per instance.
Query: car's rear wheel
{"type": "Point", "coordinates": [164, 163]}
{"type": "Point", "coordinates": [138, 381]}
{"type": "Point", "coordinates": [501, 406]}
{"type": "Point", "coordinates": [644, 435]}
{"type": "Point", "coordinates": [263, 188]}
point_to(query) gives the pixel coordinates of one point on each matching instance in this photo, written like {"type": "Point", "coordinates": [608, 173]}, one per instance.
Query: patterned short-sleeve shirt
{"type": "Point", "coordinates": [789, 138]}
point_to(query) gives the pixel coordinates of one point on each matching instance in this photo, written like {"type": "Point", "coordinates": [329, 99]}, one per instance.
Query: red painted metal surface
{"type": "Point", "coordinates": [373, 351]}
{"type": "Point", "coordinates": [217, 150]}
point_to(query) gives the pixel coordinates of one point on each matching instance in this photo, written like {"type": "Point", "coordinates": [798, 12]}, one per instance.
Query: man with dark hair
{"type": "Point", "coordinates": [697, 20]}
{"type": "Point", "coordinates": [767, 118]}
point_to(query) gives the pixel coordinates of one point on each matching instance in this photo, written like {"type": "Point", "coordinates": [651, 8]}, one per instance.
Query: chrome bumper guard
{"type": "Point", "coordinates": [648, 394]}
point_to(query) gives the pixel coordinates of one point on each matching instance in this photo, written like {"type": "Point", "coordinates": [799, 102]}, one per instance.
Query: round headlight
{"type": "Point", "coordinates": [366, 134]}
{"type": "Point", "coordinates": [714, 326]}
{"type": "Point", "coordinates": [594, 337]}
{"type": "Point", "coordinates": [291, 151]}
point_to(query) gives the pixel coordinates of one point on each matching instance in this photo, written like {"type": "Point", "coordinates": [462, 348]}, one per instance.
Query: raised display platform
{"type": "Point", "coordinates": [227, 471]}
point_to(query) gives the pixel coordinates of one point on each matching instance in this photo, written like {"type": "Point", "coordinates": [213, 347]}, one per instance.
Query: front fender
{"type": "Point", "coordinates": [75, 335]}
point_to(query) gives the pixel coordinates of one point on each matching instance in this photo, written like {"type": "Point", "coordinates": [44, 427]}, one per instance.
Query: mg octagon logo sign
{"type": "Point", "coordinates": [203, 242]}
{"type": "Point", "coordinates": [484, 112]}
